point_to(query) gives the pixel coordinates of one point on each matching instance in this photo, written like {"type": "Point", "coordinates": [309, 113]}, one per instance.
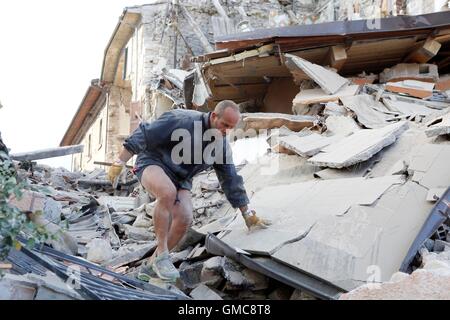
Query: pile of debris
{"type": "Point", "coordinates": [428, 283]}
{"type": "Point", "coordinates": [113, 229]}
{"type": "Point", "coordinates": [355, 191]}
{"type": "Point", "coordinates": [358, 168]}
{"type": "Point", "coordinates": [352, 178]}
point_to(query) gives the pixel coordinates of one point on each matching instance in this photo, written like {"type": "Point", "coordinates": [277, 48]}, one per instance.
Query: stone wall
{"type": "Point", "coordinates": [153, 45]}
{"type": "Point", "coordinates": [118, 127]}
{"type": "Point", "coordinates": [156, 44]}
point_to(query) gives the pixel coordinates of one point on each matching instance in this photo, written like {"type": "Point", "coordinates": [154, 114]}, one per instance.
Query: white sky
{"type": "Point", "coordinates": [49, 52]}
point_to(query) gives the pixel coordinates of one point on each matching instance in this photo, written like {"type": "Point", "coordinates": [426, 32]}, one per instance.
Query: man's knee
{"type": "Point", "coordinates": [167, 196]}
{"type": "Point", "coordinates": [156, 182]}
{"type": "Point", "coordinates": [183, 214]}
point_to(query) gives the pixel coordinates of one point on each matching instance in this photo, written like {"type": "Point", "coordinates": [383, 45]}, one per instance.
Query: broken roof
{"type": "Point", "coordinates": [338, 31]}
{"type": "Point", "coordinates": [81, 118]}
{"type": "Point", "coordinates": [245, 64]}
{"type": "Point", "coordinates": [122, 33]}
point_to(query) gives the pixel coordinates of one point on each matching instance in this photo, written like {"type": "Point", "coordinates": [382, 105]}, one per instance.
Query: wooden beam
{"type": "Point", "coordinates": [412, 91]}
{"type": "Point", "coordinates": [108, 164]}
{"type": "Point", "coordinates": [47, 153]}
{"type": "Point", "coordinates": [252, 67]}
{"type": "Point", "coordinates": [103, 183]}
{"type": "Point", "coordinates": [198, 32]}
{"type": "Point", "coordinates": [424, 52]}
{"type": "Point", "coordinates": [239, 91]}
{"type": "Point", "coordinates": [337, 55]}
{"type": "Point", "coordinates": [443, 38]}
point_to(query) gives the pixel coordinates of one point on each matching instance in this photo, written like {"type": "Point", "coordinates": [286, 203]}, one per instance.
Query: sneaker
{"type": "Point", "coordinates": [146, 272]}
{"type": "Point", "coordinates": [164, 268]}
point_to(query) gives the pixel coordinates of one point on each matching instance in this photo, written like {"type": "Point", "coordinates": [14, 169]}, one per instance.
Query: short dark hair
{"type": "Point", "coordinates": [222, 105]}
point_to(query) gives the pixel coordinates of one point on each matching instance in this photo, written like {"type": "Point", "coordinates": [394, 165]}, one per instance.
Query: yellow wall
{"type": "Point", "coordinates": [96, 149]}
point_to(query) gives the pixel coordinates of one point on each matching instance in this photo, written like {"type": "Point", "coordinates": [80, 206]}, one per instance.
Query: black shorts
{"type": "Point", "coordinates": [179, 184]}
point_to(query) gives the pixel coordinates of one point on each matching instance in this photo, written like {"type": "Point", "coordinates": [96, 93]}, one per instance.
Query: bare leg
{"type": "Point", "coordinates": [181, 218]}
{"type": "Point", "coordinates": [159, 184]}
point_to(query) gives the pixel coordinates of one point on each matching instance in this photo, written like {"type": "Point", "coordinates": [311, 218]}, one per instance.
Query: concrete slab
{"type": "Point", "coordinates": [328, 80]}
{"type": "Point", "coordinates": [361, 169]}
{"type": "Point", "coordinates": [295, 208]}
{"type": "Point", "coordinates": [262, 120]}
{"type": "Point", "coordinates": [399, 152]}
{"type": "Point", "coordinates": [310, 96]}
{"type": "Point", "coordinates": [341, 125]}
{"type": "Point", "coordinates": [438, 105]}
{"type": "Point", "coordinates": [15, 287]}
{"type": "Point", "coordinates": [130, 253]}
{"type": "Point", "coordinates": [309, 145]}
{"type": "Point", "coordinates": [358, 147]}
{"type": "Point", "coordinates": [439, 126]}
{"type": "Point", "coordinates": [202, 292]}
{"type": "Point", "coordinates": [118, 203]}
{"type": "Point", "coordinates": [407, 108]}
{"type": "Point", "coordinates": [219, 224]}
{"type": "Point", "coordinates": [363, 106]}
{"type": "Point", "coordinates": [366, 244]}
{"type": "Point", "coordinates": [334, 109]}
{"type": "Point", "coordinates": [429, 164]}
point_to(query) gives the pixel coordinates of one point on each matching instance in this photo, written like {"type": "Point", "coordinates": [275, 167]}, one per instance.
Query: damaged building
{"type": "Point", "coordinates": [351, 115]}
{"type": "Point", "coordinates": [149, 58]}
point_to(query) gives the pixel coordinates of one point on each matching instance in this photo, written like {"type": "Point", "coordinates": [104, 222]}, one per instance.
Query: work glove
{"type": "Point", "coordinates": [115, 170]}
{"type": "Point", "coordinates": [254, 222]}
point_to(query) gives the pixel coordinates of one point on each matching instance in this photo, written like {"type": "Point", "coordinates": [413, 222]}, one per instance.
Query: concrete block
{"type": "Point", "coordinates": [410, 71]}
{"type": "Point", "coordinates": [99, 251]}
{"type": "Point", "coordinates": [17, 288]}
{"type": "Point", "coordinates": [190, 274]}
{"type": "Point", "coordinates": [240, 278]}
{"type": "Point", "coordinates": [202, 292]}
{"type": "Point", "coordinates": [138, 234]}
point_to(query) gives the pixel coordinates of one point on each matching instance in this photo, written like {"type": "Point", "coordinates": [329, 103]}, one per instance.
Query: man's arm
{"type": "Point", "coordinates": [232, 185]}
{"type": "Point", "coordinates": [147, 135]}
{"type": "Point", "coordinates": [124, 155]}
{"type": "Point", "coordinates": [150, 135]}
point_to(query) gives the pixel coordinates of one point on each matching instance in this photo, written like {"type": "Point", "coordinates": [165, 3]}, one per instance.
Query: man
{"type": "Point", "coordinates": [169, 180]}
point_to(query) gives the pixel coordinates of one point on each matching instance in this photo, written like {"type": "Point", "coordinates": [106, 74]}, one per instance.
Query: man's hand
{"type": "Point", "coordinates": [115, 170]}
{"type": "Point", "coordinates": [254, 222]}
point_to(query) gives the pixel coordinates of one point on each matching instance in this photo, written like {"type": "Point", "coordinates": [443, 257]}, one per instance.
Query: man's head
{"type": "Point", "coordinates": [225, 116]}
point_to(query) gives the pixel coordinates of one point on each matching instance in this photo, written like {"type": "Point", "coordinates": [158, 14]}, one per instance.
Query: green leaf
{"type": "Point", "coordinates": [31, 242]}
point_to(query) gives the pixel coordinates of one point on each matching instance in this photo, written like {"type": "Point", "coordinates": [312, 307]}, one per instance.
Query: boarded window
{"type": "Point", "coordinates": [100, 133]}
{"type": "Point", "coordinates": [89, 146]}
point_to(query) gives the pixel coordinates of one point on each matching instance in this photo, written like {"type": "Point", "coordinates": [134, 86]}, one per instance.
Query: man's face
{"type": "Point", "coordinates": [228, 121]}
